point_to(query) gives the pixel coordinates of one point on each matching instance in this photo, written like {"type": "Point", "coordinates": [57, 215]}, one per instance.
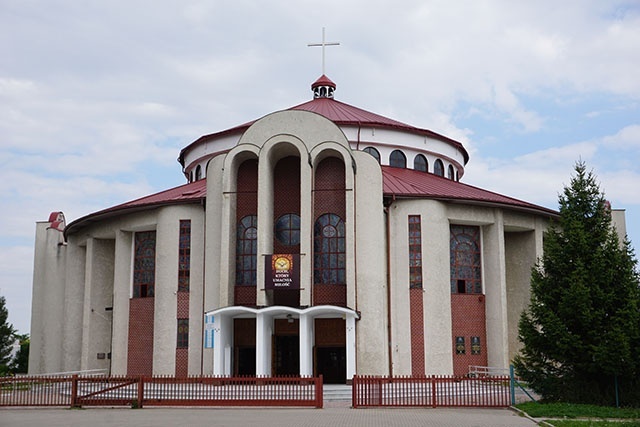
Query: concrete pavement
{"type": "Point", "coordinates": [262, 417]}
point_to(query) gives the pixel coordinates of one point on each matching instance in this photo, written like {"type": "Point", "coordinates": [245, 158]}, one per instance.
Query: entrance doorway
{"type": "Point", "coordinates": [332, 364]}
{"type": "Point", "coordinates": [330, 350]}
{"type": "Point", "coordinates": [286, 348]}
{"type": "Point", "coordinates": [244, 347]}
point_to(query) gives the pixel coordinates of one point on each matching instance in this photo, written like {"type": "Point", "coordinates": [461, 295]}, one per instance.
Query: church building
{"type": "Point", "coordinates": [321, 239]}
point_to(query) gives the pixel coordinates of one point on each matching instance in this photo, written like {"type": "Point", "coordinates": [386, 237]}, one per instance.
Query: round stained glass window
{"type": "Point", "coordinates": [329, 231]}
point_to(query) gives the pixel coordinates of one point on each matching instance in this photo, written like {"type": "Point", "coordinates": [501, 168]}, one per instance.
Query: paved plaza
{"type": "Point", "coordinates": [260, 417]}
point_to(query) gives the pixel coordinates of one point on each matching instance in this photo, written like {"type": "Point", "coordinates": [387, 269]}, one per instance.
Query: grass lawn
{"type": "Point", "coordinates": [629, 417]}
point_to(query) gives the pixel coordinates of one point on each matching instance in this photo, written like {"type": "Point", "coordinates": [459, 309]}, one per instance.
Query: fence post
{"type": "Point", "coordinates": [512, 385]}
{"type": "Point", "coordinates": [433, 391]}
{"type": "Point", "coordinates": [354, 391]}
{"type": "Point", "coordinates": [140, 391]}
{"type": "Point", "coordinates": [74, 391]}
{"type": "Point", "coordinates": [319, 392]}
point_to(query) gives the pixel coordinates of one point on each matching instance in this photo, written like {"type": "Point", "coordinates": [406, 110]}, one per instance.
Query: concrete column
{"type": "Point", "coordinates": [351, 346]}
{"type": "Point", "coordinates": [121, 295]}
{"type": "Point", "coordinates": [264, 331]}
{"type": "Point", "coordinates": [306, 231]}
{"type": "Point", "coordinates": [495, 284]}
{"type": "Point", "coordinates": [222, 327]}
{"type": "Point", "coordinates": [73, 306]}
{"type": "Point", "coordinates": [306, 335]}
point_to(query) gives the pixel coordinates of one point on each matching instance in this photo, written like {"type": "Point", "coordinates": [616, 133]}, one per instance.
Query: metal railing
{"type": "Point", "coordinates": [76, 391]}
{"type": "Point", "coordinates": [431, 391]}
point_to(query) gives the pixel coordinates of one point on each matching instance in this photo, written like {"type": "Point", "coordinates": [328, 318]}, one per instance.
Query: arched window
{"type": "Point", "coordinates": [191, 176]}
{"type": "Point", "coordinates": [373, 152]}
{"type": "Point", "coordinates": [397, 159]}
{"type": "Point", "coordinates": [466, 272]}
{"type": "Point", "coordinates": [438, 168]}
{"type": "Point", "coordinates": [246, 250]}
{"type": "Point", "coordinates": [329, 259]}
{"type": "Point", "coordinates": [287, 229]}
{"type": "Point", "coordinates": [420, 163]}
{"type": "Point", "coordinates": [198, 173]}
{"type": "Point", "coordinates": [450, 173]}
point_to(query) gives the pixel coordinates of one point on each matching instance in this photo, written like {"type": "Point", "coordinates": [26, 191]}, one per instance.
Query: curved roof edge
{"type": "Point", "coordinates": [194, 192]}
{"type": "Point", "coordinates": [342, 114]}
{"type": "Point", "coordinates": [409, 183]}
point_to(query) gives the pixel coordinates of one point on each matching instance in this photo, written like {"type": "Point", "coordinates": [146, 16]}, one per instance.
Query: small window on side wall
{"type": "Point", "coordinates": [397, 159]}
{"type": "Point", "coordinates": [420, 163]}
{"type": "Point", "coordinates": [198, 173]}
{"type": "Point", "coordinates": [373, 152]}
{"type": "Point", "coordinates": [450, 173]}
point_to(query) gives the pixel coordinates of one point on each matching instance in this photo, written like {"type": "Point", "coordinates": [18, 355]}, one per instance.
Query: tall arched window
{"type": "Point", "coordinates": [420, 163]}
{"type": "Point", "coordinates": [373, 152]}
{"type": "Point", "coordinates": [450, 173]}
{"type": "Point", "coordinates": [397, 159]}
{"type": "Point", "coordinates": [198, 173]}
{"type": "Point", "coordinates": [287, 229]}
{"type": "Point", "coordinates": [246, 250]}
{"type": "Point", "coordinates": [438, 168]}
{"type": "Point", "coordinates": [329, 264]}
{"type": "Point", "coordinates": [466, 266]}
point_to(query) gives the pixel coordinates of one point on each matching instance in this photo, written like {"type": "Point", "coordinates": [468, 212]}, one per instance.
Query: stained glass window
{"type": "Point", "coordinates": [438, 168]}
{"type": "Point", "coordinates": [184, 255]}
{"type": "Point", "coordinates": [144, 264]}
{"type": "Point", "coordinates": [246, 250]}
{"type": "Point", "coordinates": [397, 159]}
{"type": "Point", "coordinates": [420, 163]}
{"type": "Point", "coordinates": [415, 252]}
{"type": "Point", "coordinates": [183, 333]}
{"type": "Point", "coordinates": [329, 254]}
{"type": "Point", "coordinates": [466, 270]}
{"type": "Point", "coordinates": [287, 229]}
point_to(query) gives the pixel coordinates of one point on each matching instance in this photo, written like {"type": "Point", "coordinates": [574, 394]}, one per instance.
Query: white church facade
{"type": "Point", "coordinates": [322, 239]}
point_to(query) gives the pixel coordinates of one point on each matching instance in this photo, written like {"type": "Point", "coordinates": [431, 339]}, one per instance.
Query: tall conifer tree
{"type": "Point", "coordinates": [7, 338]}
{"type": "Point", "coordinates": [581, 331]}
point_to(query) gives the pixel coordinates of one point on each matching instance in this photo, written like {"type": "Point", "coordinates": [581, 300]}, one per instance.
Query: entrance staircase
{"type": "Point", "coordinates": [336, 395]}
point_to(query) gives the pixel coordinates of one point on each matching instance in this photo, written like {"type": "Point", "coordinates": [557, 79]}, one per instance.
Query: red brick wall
{"type": "Point", "coordinates": [330, 295]}
{"type": "Point", "coordinates": [416, 312]}
{"type": "Point", "coordinates": [182, 354]}
{"type": "Point", "coordinates": [245, 295]}
{"type": "Point", "coordinates": [468, 319]}
{"type": "Point", "coordinates": [140, 349]}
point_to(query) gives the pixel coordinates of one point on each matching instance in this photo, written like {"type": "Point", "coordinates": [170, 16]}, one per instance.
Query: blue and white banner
{"type": "Point", "coordinates": [208, 331]}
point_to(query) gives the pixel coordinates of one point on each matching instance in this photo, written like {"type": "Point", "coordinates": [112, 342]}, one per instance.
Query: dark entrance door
{"type": "Point", "coordinates": [244, 352]}
{"type": "Point", "coordinates": [286, 355]}
{"type": "Point", "coordinates": [332, 364]}
{"type": "Point", "coordinates": [331, 350]}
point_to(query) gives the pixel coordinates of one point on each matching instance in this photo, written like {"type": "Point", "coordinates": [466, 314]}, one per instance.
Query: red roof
{"type": "Point", "coordinates": [397, 183]}
{"type": "Point", "coordinates": [194, 192]}
{"type": "Point", "coordinates": [409, 183]}
{"type": "Point", "coordinates": [341, 114]}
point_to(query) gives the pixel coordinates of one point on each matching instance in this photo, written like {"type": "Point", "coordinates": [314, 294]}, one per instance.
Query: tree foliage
{"type": "Point", "coordinates": [7, 338]}
{"type": "Point", "coordinates": [581, 331]}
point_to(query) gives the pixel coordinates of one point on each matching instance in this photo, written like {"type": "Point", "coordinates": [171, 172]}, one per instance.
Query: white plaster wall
{"type": "Point", "coordinates": [372, 338]}
{"type": "Point", "coordinates": [121, 294]}
{"type": "Point", "coordinates": [494, 283]}
{"type": "Point", "coordinates": [437, 288]}
{"type": "Point", "coordinates": [98, 294]}
{"type": "Point", "coordinates": [47, 313]}
{"type": "Point", "coordinates": [73, 306]}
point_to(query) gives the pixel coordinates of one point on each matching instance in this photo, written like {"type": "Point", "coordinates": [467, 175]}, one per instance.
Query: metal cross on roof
{"type": "Point", "coordinates": [323, 45]}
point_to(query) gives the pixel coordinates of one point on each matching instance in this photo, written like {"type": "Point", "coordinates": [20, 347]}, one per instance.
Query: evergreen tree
{"type": "Point", "coordinates": [581, 331]}
{"type": "Point", "coordinates": [20, 363]}
{"type": "Point", "coordinates": [7, 338]}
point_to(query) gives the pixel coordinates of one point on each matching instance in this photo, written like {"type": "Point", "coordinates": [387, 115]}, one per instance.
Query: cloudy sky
{"type": "Point", "coordinates": [98, 97]}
